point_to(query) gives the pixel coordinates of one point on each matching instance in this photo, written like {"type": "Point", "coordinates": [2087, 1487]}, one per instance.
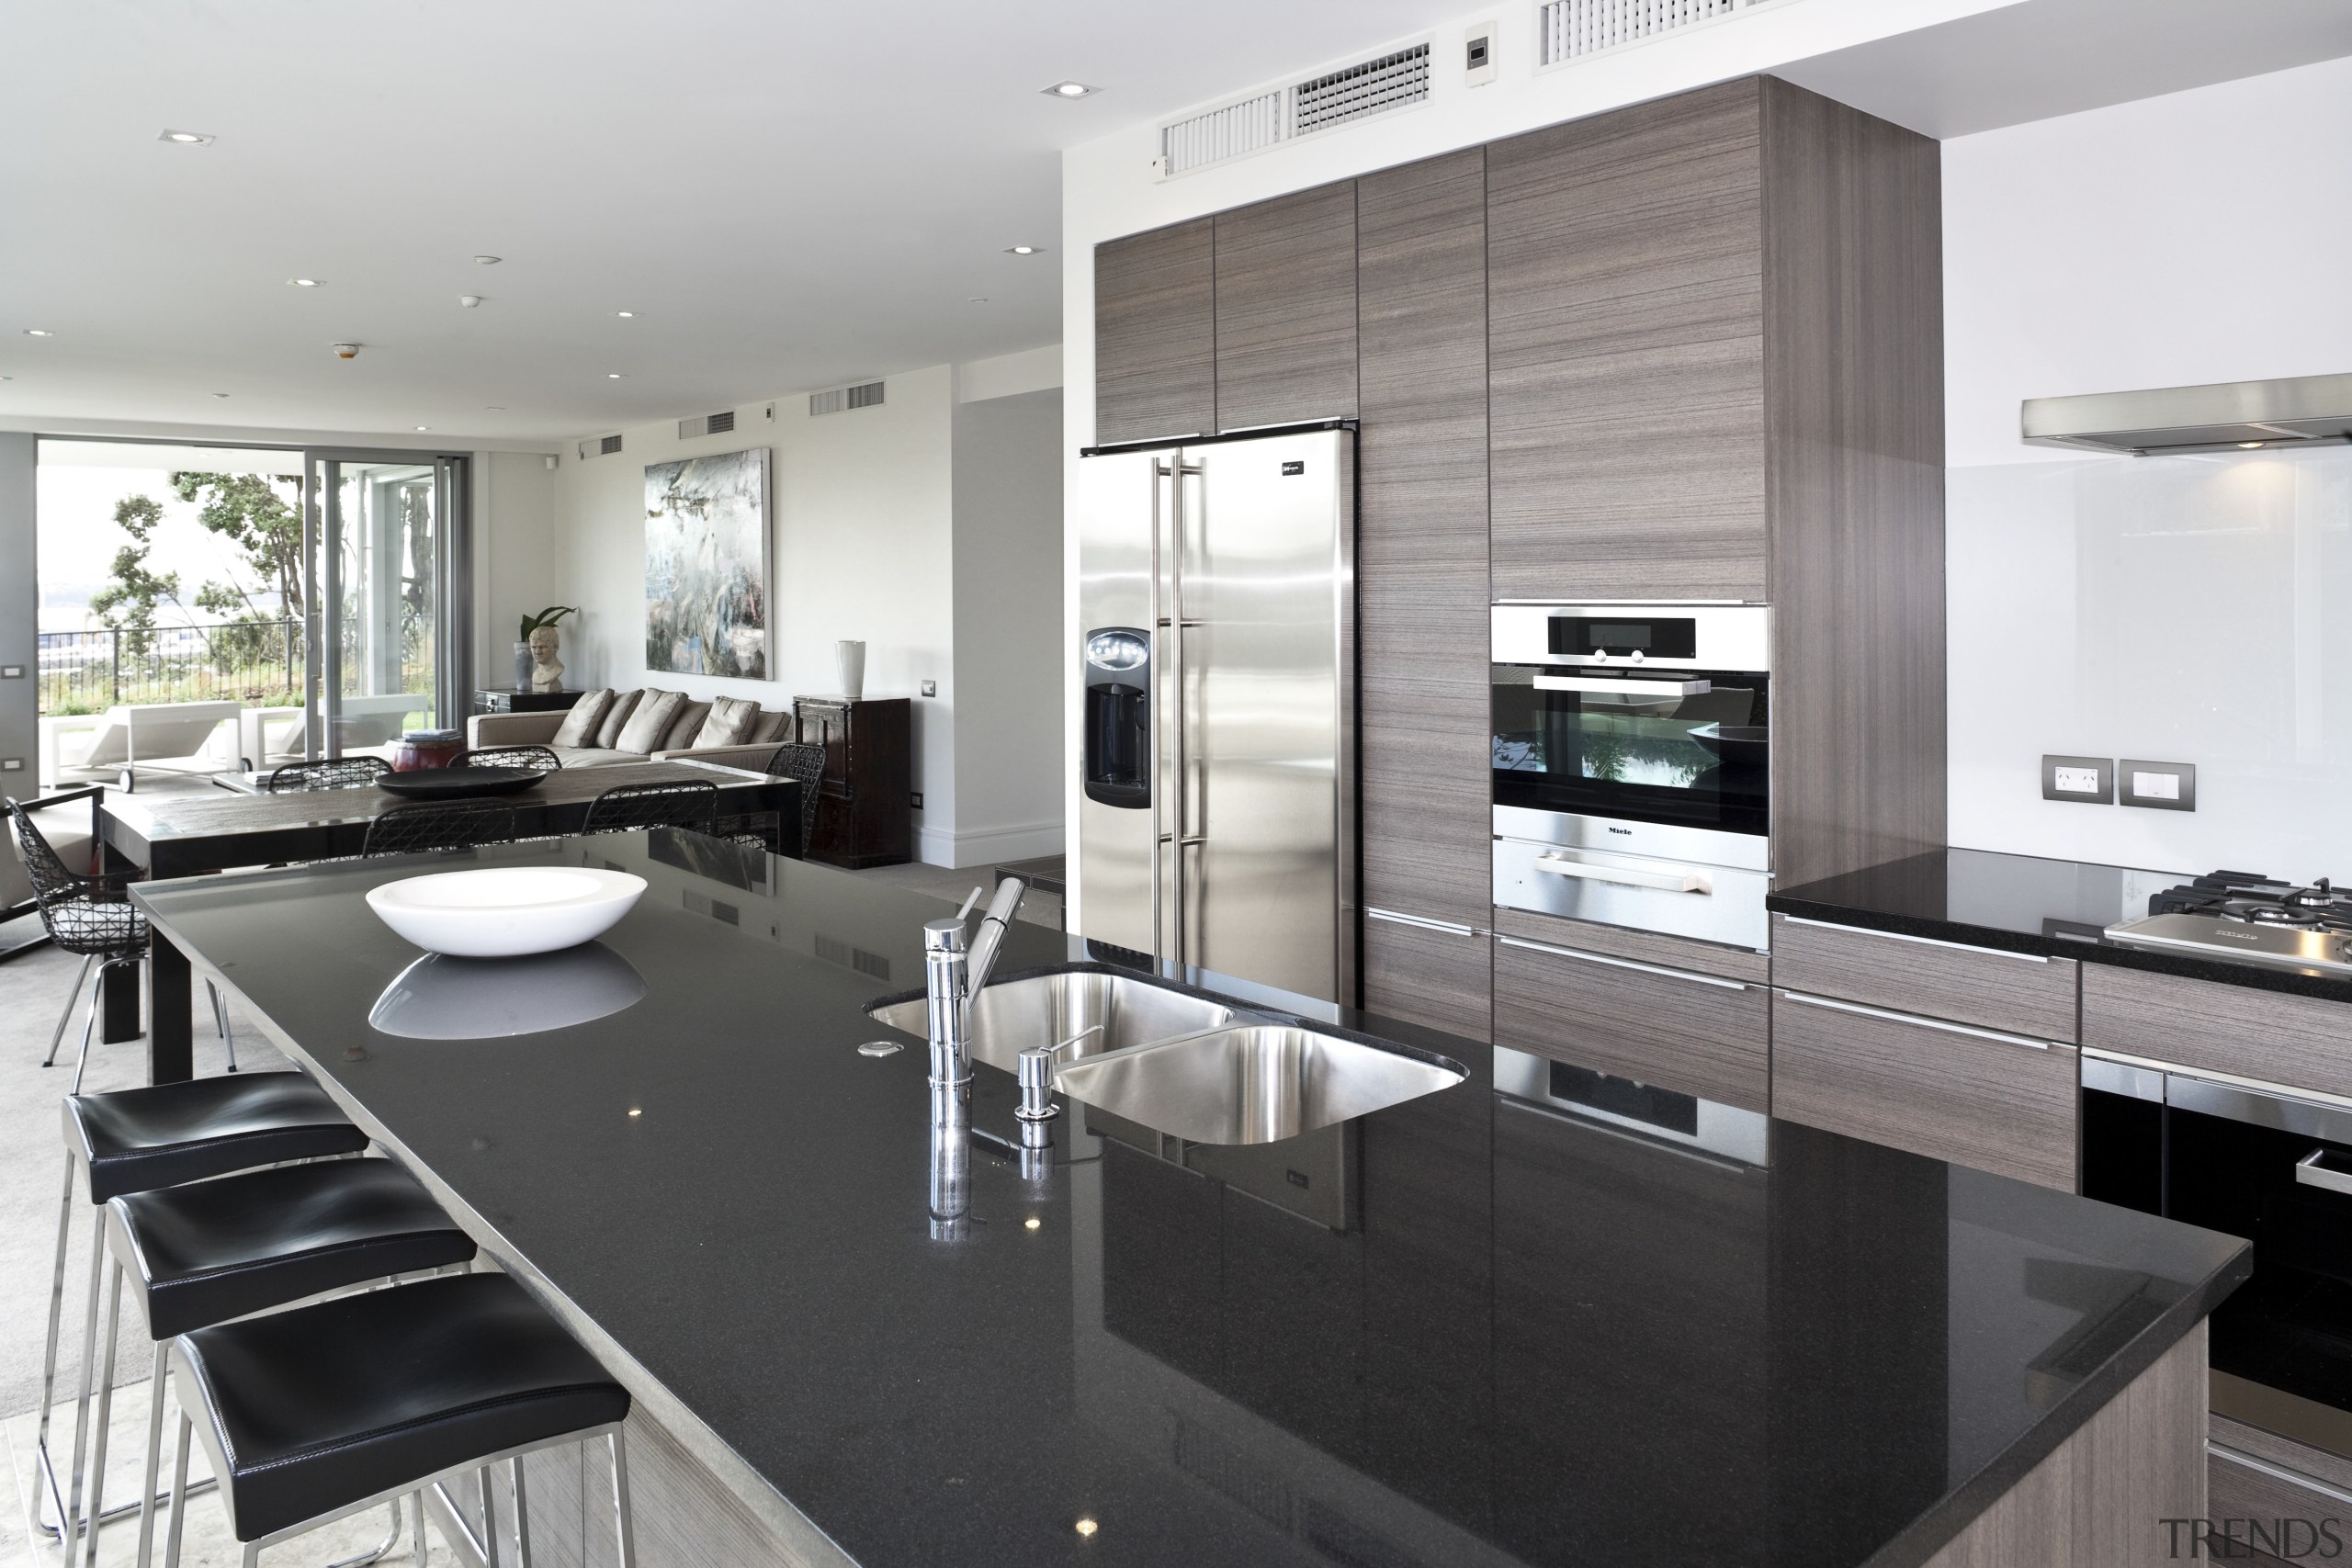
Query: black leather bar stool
{"type": "Point", "coordinates": [212, 1251]}
{"type": "Point", "coordinates": [323, 1411]}
{"type": "Point", "coordinates": [136, 1140]}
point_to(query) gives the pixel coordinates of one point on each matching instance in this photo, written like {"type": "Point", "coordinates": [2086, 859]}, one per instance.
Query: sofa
{"type": "Point", "coordinates": [677, 741]}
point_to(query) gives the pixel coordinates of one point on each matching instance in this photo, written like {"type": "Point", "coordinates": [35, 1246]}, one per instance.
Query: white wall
{"type": "Point", "coordinates": [887, 532]}
{"type": "Point", "coordinates": [514, 544]}
{"type": "Point", "coordinates": [1007, 682]}
{"type": "Point", "coordinates": [2174, 609]}
{"type": "Point", "coordinates": [19, 616]}
{"type": "Point", "coordinates": [862, 549]}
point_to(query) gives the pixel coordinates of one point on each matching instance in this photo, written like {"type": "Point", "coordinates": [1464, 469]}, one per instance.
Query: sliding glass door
{"type": "Point", "coordinates": [386, 606]}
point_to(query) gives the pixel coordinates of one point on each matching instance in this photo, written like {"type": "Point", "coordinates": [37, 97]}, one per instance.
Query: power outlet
{"type": "Point", "coordinates": [918, 800]}
{"type": "Point", "coordinates": [12, 764]}
{"type": "Point", "coordinates": [2086, 781]}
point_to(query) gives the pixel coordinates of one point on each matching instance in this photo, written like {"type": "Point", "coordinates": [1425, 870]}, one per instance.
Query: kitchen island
{"type": "Point", "coordinates": [1570, 1320]}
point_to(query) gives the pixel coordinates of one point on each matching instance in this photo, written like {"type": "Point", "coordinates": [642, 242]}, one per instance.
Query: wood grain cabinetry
{"type": "Point", "coordinates": [2238, 1030]}
{"type": "Point", "coordinates": [2259, 1477]}
{"type": "Point", "coordinates": [2022, 993]}
{"type": "Point", "coordinates": [1285, 310]}
{"type": "Point", "coordinates": [2001, 1103]}
{"type": "Point", "coordinates": [1439, 977]}
{"type": "Point", "coordinates": [864, 810]}
{"type": "Point", "coordinates": [1155, 333]}
{"type": "Point", "coordinates": [1626, 330]}
{"type": "Point", "coordinates": [1678, 1028]}
{"type": "Point", "coordinates": [1421, 551]}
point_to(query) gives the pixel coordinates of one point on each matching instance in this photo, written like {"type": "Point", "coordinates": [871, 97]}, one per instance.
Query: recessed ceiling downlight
{"type": "Point", "coordinates": [487, 261]}
{"type": "Point", "coordinates": [184, 138]}
{"type": "Point", "coordinates": [424, 427]}
{"type": "Point", "coordinates": [624, 315]}
{"type": "Point", "coordinates": [38, 332]}
{"type": "Point", "coordinates": [302, 283]}
{"type": "Point", "coordinates": [612, 375]}
{"type": "Point", "coordinates": [1021, 249]}
{"type": "Point", "coordinates": [1070, 90]}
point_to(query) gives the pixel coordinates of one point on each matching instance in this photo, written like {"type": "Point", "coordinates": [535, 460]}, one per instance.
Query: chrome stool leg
{"type": "Point", "coordinates": [621, 1525]}
{"type": "Point", "coordinates": [66, 1017]}
{"type": "Point", "coordinates": [106, 1408]}
{"type": "Point", "coordinates": [45, 1473]}
{"type": "Point", "coordinates": [522, 1513]}
{"type": "Point", "coordinates": [72, 1520]}
{"type": "Point", "coordinates": [154, 1457]}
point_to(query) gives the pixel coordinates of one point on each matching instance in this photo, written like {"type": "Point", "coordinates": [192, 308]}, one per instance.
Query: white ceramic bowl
{"type": "Point", "coordinates": [507, 912]}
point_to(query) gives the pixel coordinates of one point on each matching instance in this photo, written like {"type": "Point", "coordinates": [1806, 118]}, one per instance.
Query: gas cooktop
{"type": "Point", "coordinates": [2250, 918]}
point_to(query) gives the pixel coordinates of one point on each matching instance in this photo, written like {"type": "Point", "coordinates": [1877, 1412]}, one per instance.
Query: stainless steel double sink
{"type": "Point", "coordinates": [1189, 1066]}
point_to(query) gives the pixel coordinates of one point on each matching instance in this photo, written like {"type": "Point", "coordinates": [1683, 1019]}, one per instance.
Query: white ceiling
{"type": "Point", "coordinates": [787, 195]}
{"type": "Point", "coordinates": [2045, 58]}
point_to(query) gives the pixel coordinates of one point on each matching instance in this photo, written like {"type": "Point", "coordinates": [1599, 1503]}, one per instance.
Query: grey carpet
{"type": "Point", "coordinates": [33, 986]}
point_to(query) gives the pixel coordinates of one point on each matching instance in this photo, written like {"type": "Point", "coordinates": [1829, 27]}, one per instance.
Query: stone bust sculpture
{"type": "Point", "coordinates": [546, 671]}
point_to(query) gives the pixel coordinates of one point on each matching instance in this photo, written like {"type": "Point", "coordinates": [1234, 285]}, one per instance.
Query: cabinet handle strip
{"type": "Point", "coordinates": [1422, 921]}
{"type": "Point", "coordinates": [2277, 1471]}
{"type": "Point", "coordinates": [1935, 1024]}
{"type": "Point", "coordinates": [1922, 941]}
{"type": "Point", "coordinates": [1622, 964]}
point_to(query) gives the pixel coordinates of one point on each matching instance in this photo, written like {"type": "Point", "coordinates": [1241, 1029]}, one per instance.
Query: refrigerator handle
{"type": "Point", "coordinates": [1162, 661]}
{"type": "Point", "coordinates": [1180, 831]}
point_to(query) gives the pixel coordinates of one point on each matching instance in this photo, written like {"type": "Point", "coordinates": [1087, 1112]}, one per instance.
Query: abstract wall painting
{"type": "Point", "coordinates": [707, 566]}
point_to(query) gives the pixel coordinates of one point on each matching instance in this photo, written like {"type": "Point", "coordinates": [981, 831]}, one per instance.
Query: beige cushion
{"type": "Point", "coordinates": [731, 722]}
{"type": "Point", "coordinates": [773, 729]}
{"type": "Point", "coordinates": [608, 734]}
{"type": "Point", "coordinates": [592, 756]}
{"type": "Point", "coordinates": [652, 721]}
{"type": "Point", "coordinates": [587, 716]}
{"type": "Point", "coordinates": [685, 728]}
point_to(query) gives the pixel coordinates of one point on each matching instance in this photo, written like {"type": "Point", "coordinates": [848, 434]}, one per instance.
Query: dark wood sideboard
{"type": "Point", "coordinates": [865, 814]}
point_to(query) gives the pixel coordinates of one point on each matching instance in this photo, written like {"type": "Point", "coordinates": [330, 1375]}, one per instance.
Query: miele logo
{"type": "Point", "coordinates": [1622, 832]}
{"type": "Point", "coordinates": [2235, 936]}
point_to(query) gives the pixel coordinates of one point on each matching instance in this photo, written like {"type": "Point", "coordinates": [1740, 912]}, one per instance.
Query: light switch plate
{"type": "Point", "coordinates": [12, 764]}
{"type": "Point", "coordinates": [1478, 54]}
{"type": "Point", "coordinates": [930, 688]}
{"type": "Point", "coordinates": [12, 671]}
{"type": "Point", "coordinates": [2086, 781]}
{"type": "Point", "coordinates": [2162, 787]}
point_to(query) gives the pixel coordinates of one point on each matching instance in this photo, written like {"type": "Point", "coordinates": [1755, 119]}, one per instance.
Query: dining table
{"type": "Point", "coordinates": [158, 838]}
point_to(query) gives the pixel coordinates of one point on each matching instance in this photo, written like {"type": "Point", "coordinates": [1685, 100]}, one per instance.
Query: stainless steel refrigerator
{"type": "Point", "coordinates": [1217, 603]}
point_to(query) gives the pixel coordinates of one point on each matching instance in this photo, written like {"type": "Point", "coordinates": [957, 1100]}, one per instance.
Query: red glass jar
{"type": "Point", "coordinates": [420, 748]}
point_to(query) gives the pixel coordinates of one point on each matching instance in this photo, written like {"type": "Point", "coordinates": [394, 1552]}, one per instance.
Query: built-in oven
{"type": "Point", "coordinates": [1632, 765]}
{"type": "Point", "coordinates": [2268, 1165]}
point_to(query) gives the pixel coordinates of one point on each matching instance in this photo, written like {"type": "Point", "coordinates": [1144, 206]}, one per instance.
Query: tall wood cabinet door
{"type": "Point", "coordinates": [1286, 310]}
{"type": "Point", "coordinates": [1155, 333]}
{"type": "Point", "coordinates": [1423, 749]}
{"type": "Point", "coordinates": [1435, 976]}
{"type": "Point", "coordinates": [1627, 341]}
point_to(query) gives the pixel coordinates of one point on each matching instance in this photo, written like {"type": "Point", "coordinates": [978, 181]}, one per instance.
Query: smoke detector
{"type": "Point", "coordinates": [346, 350]}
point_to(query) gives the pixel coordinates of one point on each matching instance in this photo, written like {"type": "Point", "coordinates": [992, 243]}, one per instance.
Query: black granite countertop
{"type": "Point", "coordinates": [2026, 904]}
{"type": "Point", "coordinates": [1534, 1336]}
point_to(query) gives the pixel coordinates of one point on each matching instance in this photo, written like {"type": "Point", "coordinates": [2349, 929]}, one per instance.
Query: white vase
{"type": "Point", "coordinates": [851, 655]}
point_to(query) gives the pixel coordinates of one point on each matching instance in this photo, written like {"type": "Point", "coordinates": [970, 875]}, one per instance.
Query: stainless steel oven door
{"type": "Point", "coordinates": [1553, 863]}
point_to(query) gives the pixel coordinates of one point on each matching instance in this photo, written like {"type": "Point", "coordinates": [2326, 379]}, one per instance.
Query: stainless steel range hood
{"type": "Point", "coordinates": [2304, 411]}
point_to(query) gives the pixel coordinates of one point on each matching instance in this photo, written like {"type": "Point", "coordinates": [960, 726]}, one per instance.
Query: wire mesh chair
{"type": "Point", "coordinates": [92, 915]}
{"type": "Point", "coordinates": [682, 803]}
{"type": "Point", "coordinates": [794, 759]}
{"type": "Point", "coordinates": [440, 825]}
{"type": "Point", "coordinates": [329, 772]}
{"type": "Point", "coordinates": [538, 758]}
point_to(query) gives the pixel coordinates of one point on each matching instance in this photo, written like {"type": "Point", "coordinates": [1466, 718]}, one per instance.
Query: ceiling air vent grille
{"type": "Point", "coordinates": [1223, 133]}
{"type": "Point", "coordinates": [1390, 82]}
{"type": "Point", "coordinates": [1369, 87]}
{"type": "Point", "coordinates": [865, 395]}
{"type": "Point", "coordinates": [600, 446]}
{"type": "Point", "coordinates": [706, 425]}
{"type": "Point", "coordinates": [1570, 30]}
